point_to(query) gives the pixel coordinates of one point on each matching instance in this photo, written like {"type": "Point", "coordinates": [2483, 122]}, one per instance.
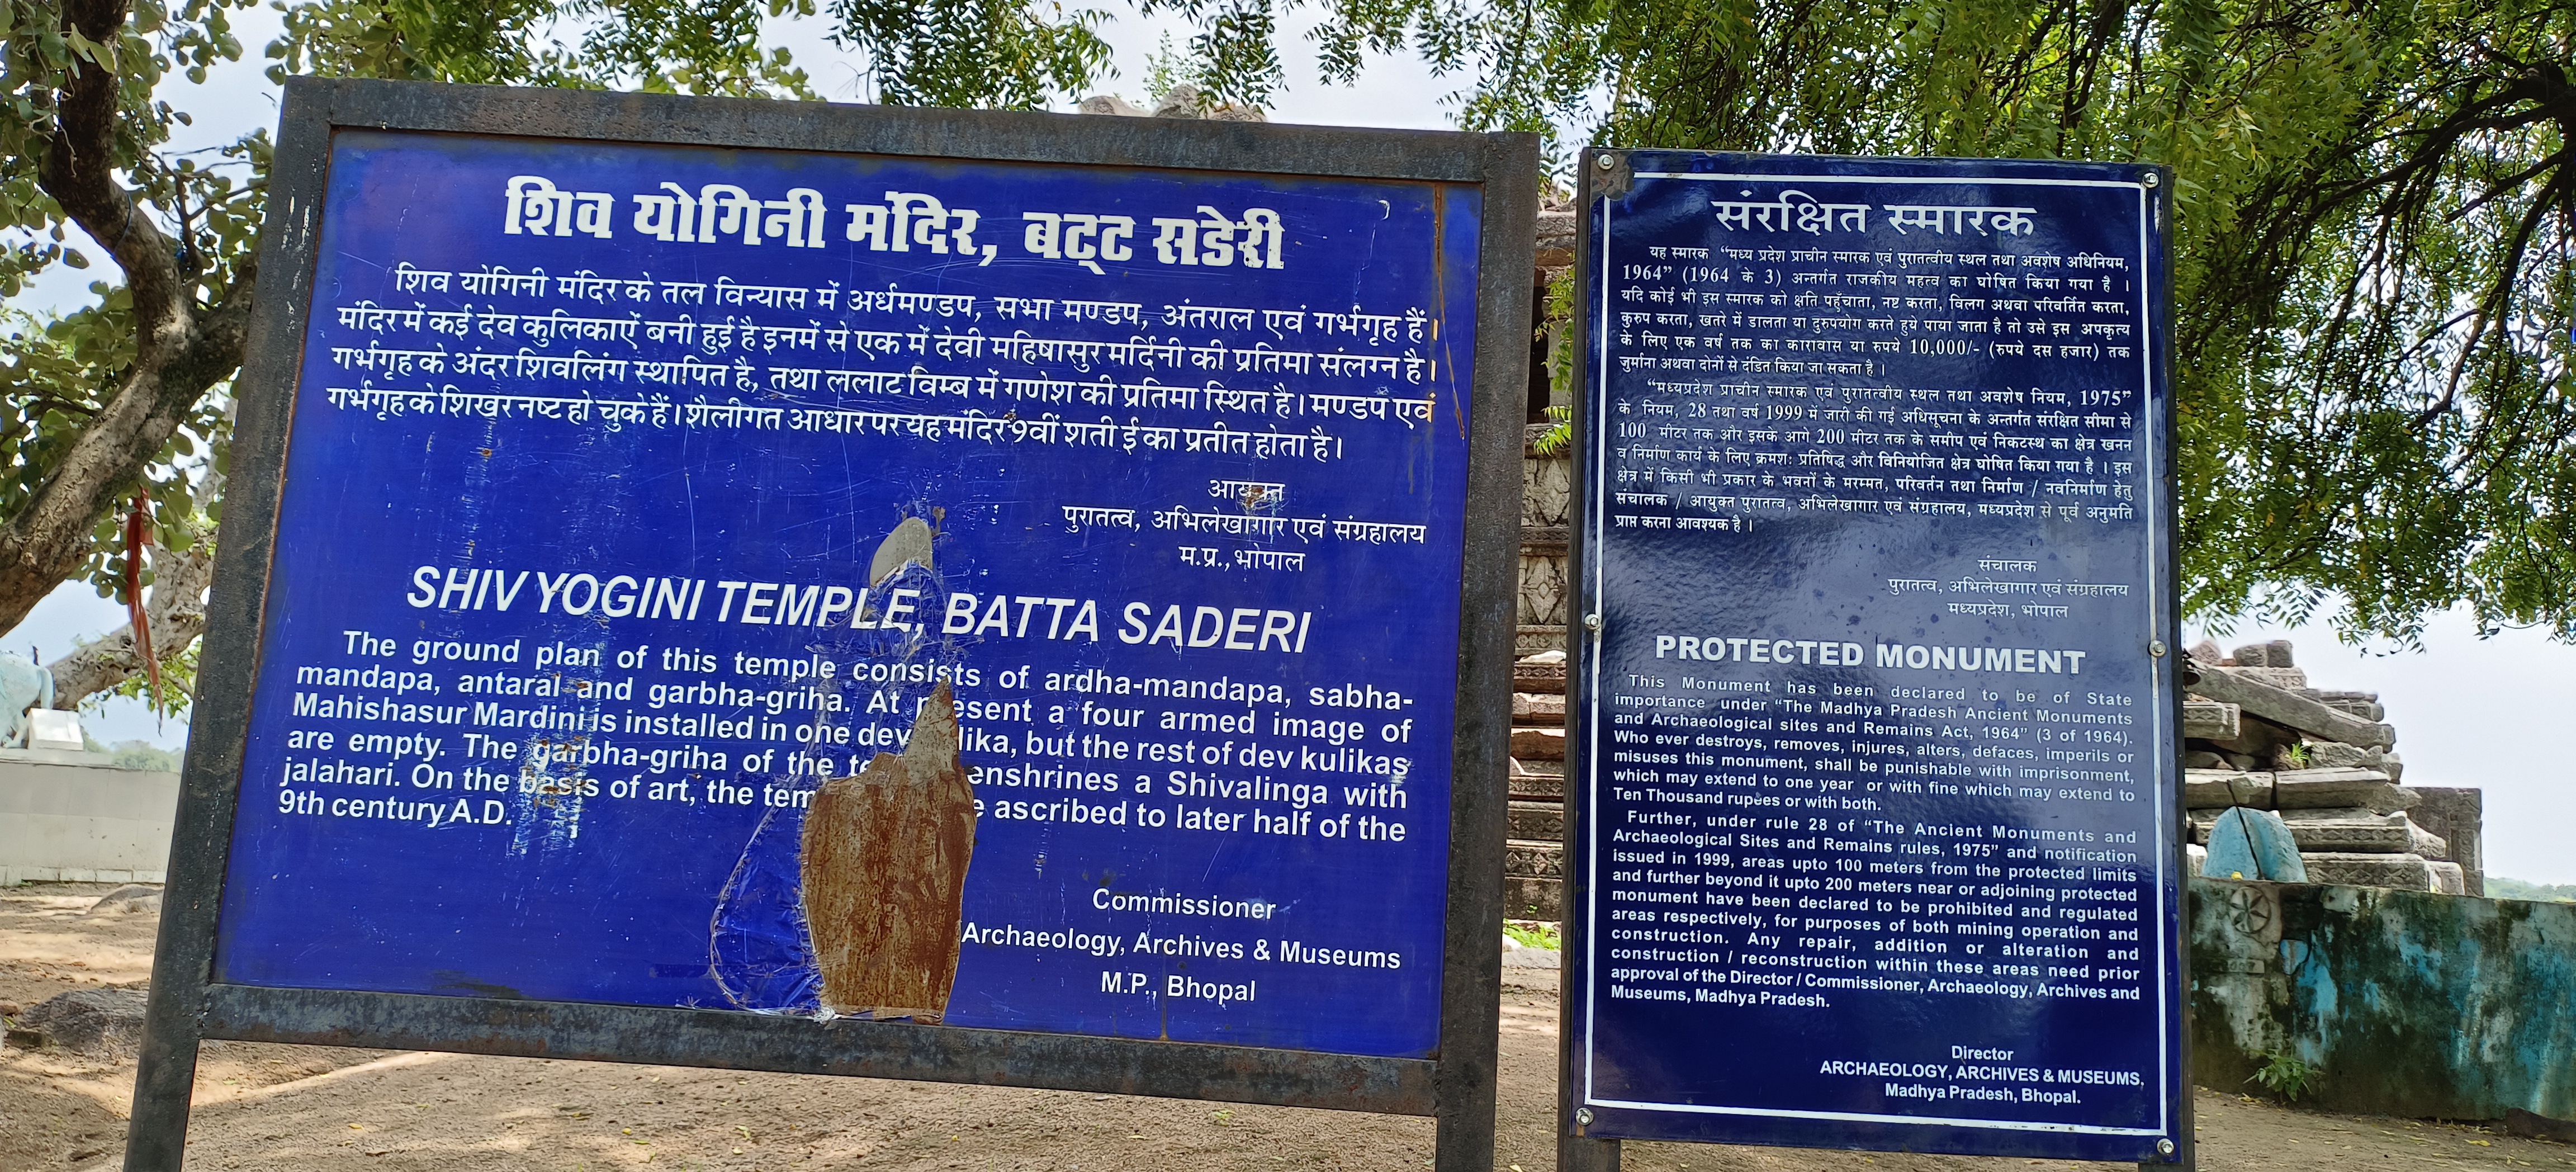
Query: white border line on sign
{"type": "Point", "coordinates": [1599, 556]}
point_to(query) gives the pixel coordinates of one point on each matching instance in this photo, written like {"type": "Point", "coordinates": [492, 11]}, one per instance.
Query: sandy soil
{"type": "Point", "coordinates": [288, 1107]}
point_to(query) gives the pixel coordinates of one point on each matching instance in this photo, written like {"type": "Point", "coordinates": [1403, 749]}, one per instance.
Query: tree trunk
{"type": "Point", "coordinates": [176, 609]}
{"type": "Point", "coordinates": [181, 349]}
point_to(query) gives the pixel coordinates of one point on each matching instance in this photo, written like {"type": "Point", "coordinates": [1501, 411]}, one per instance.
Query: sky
{"type": "Point", "coordinates": [2468, 711]}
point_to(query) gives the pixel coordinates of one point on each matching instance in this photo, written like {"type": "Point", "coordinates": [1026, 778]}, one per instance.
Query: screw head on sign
{"type": "Point", "coordinates": [1583, 1115]}
{"type": "Point", "coordinates": [2152, 180]}
{"type": "Point", "coordinates": [2156, 648]}
{"type": "Point", "coordinates": [2164, 1147]}
{"type": "Point", "coordinates": [1592, 622]}
{"type": "Point", "coordinates": [1602, 161]}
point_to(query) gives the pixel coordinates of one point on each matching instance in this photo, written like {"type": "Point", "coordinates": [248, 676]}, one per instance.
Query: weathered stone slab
{"type": "Point", "coordinates": [1528, 639]}
{"type": "Point", "coordinates": [1535, 859]}
{"type": "Point", "coordinates": [2290, 678]}
{"type": "Point", "coordinates": [2447, 877]}
{"type": "Point", "coordinates": [2291, 709]}
{"type": "Point", "coordinates": [2378, 838]}
{"type": "Point", "coordinates": [2404, 872]}
{"type": "Point", "coordinates": [2256, 738]}
{"type": "Point", "coordinates": [2361, 704]}
{"type": "Point", "coordinates": [1532, 897]}
{"type": "Point", "coordinates": [1537, 820]}
{"type": "Point", "coordinates": [2276, 653]}
{"type": "Point", "coordinates": [1538, 678]}
{"type": "Point", "coordinates": [2428, 844]}
{"type": "Point", "coordinates": [2324, 789]}
{"type": "Point", "coordinates": [2361, 830]}
{"type": "Point", "coordinates": [2338, 755]}
{"type": "Point", "coordinates": [2211, 789]}
{"type": "Point", "coordinates": [1538, 708]}
{"type": "Point", "coordinates": [1539, 744]}
{"type": "Point", "coordinates": [2456, 813]}
{"type": "Point", "coordinates": [2209, 720]}
{"type": "Point", "coordinates": [1553, 770]}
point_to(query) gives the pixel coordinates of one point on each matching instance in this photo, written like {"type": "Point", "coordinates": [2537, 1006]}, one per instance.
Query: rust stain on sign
{"type": "Point", "coordinates": [884, 869]}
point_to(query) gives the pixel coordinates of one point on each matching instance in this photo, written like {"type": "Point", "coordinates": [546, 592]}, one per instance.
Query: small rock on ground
{"type": "Point", "coordinates": [89, 1021]}
{"type": "Point", "coordinates": [133, 897]}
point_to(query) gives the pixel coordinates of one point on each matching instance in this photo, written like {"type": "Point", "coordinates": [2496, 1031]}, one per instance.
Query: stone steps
{"type": "Point", "coordinates": [1539, 781]}
{"type": "Point", "coordinates": [1538, 821]}
{"type": "Point", "coordinates": [1533, 878]}
{"type": "Point", "coordinates": [1533, 853]}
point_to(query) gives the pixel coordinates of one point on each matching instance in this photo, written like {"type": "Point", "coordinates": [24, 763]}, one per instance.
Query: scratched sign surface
{"type": "Point", "coordinates": [636, 494]}
{"type": "Point", "coordinates": [1880, 784]}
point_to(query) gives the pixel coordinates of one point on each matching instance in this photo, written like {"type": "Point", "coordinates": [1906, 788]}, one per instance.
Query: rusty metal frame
{"type": "Point", "coordinates": [1598, 173]}
{"type": "Point", "coordinates": [1455, 1086]}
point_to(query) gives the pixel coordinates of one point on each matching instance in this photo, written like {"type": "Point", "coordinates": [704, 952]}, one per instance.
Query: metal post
{"type": "Point", "coordinates": [1471, 1009]}
{"type": "Point", "coordinates": [1576, 1152]}
{"type": "Point", "coordinates": [201, 840]}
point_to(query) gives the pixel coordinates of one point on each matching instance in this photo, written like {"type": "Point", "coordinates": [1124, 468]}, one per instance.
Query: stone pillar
{"type": "Point", "coordinates": [2457, 814]}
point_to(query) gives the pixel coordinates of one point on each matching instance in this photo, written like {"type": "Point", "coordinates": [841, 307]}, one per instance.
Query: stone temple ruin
{"type": "Point", "coordinates": [2257, 736]}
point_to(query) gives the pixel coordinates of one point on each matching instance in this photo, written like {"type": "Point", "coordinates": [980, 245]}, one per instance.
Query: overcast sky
{"type": "Point", "coordinates": [2468, 711]}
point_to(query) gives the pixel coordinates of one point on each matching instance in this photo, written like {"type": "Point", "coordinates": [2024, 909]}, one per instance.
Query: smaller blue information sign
{"type": "Point", "coordinates": [1878, 833]}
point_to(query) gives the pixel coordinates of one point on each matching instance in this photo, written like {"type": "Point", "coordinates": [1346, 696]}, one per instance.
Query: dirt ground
{"type": "Point", "coordinates": [292, 1107]}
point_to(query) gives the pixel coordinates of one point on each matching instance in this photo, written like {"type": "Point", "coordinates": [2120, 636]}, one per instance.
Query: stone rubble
{"type": "Point", "coordinates": [2255, 734]}
{"type": "Point", "coordinates": [98, 1022]}
{"type": "Point", "coordinates": [1182, 101]}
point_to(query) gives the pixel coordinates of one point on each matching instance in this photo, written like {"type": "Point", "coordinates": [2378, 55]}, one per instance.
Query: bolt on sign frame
{"type": "Point", "coordinates": [432, 426]}
{"type": "Point", "coordinates": [1874, 835]}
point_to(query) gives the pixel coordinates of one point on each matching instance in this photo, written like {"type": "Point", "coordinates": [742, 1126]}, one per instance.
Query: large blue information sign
{"type": "Point", "coordinates": [1878, 833]}
{"type": "Point", "coordinates": [1000, 594]}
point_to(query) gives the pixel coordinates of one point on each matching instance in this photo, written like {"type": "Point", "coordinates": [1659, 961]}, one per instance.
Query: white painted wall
{"type": "Point", "coordinates": [63, 819]}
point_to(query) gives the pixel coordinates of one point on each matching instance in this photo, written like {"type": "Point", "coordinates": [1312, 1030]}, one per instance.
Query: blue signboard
{"type": "Point", "coordinates": [1879, 823]}
{"type": "Point", "coordinates": [1007, 595]}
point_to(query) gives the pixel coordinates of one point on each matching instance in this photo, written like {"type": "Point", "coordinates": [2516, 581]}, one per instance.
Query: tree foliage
{"type": "Point", "coordinates": [2375, 207]}
{"type": "Point", "coordinates": [129, 394]}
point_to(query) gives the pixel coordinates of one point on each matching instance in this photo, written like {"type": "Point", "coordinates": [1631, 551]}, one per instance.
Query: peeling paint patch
{"type": "Point", "coordinates": [909, 544]}
{"type": "Point", "coordinates": [884, 867]}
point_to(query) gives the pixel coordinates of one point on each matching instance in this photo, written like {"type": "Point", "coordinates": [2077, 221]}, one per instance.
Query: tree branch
{"type": "Point", "coordinates": [176, 610]}
{"type": "Point", "coordinates": [177, 355]}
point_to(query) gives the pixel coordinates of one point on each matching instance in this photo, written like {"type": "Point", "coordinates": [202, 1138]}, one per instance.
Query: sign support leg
{"type": "Point", "coordinates": [183, 951]}
{"type": "Point", "coordinates": [1471, 1001]}
{"type": "Point", "coordinates": [156, 1137]}
{"type": "Point", "coordinates": [1575, 1153]}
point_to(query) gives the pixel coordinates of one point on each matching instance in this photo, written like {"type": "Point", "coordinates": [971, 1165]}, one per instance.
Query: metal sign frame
{"type": "Point", "coordinates": [1605, 173]}
{"type": "Point", "coordinates": [1455, 1086]}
